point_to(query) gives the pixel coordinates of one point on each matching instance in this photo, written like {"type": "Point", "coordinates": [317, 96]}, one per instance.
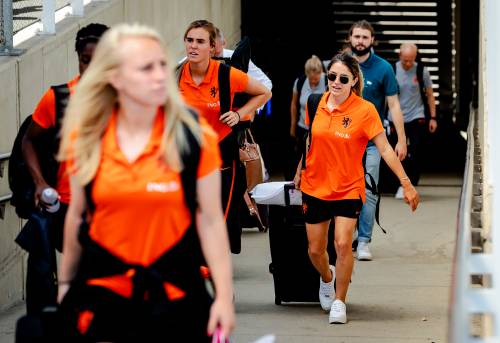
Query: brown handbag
{"type": "Point", "coordinates": [249, 150]}
{"type": "Point", "coordinates": [251, 158]}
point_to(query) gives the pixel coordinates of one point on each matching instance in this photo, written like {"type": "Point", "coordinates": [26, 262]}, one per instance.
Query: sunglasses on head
{"type": "Point", "coordinates": [342, 78]}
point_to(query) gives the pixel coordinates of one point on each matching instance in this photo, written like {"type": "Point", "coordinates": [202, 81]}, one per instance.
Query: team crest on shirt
{"type": "Point", "coordinates": [346, 122]}
{"type": "Point", "coordinates": [213, 91]}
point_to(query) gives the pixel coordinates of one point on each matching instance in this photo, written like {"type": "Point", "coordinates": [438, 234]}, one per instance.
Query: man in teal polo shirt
{"type": "Point", "coordinates": [380, 87]}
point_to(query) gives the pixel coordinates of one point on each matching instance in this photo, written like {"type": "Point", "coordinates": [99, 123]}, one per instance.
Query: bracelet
{"type": "Point", "coordinates": [404, 178]}
{"type": "Point", "coordinates": [239, 118]}
{"type": "Point", "coordinates": [433, 118]}
{"type": "Point", "coordinates": [64, 282]}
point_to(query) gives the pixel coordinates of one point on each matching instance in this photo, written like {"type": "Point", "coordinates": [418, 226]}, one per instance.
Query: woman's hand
{"type": "Point", "coordinates": [230, 118]}
{"type": "Point", "coordinates": [411, 196]}
{"type": "Point", "coordinates": [296, 180]}
{"type": "Point", "coordinates": [62, 289]}
{"type": "Point", "coordinates": [221, 316]}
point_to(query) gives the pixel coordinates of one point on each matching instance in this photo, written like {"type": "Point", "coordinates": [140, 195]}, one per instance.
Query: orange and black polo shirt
{"type": "Point", "coordinates": [334, 169]}
{"type": "Point", "coordinates": [140, 211]}
{"type": "Point", "coordinates": [45, 116]}
{"type": "Point", "coordinates": [205, 96]}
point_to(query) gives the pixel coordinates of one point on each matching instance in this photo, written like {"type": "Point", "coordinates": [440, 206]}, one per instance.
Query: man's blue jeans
{"type": "Point", "coordinates": [367, 215]}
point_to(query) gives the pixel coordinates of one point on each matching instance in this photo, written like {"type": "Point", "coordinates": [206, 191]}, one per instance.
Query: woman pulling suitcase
{"type": "Point", "coordinates": [332, 183]}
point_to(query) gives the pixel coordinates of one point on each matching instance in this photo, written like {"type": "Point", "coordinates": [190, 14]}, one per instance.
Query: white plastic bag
{"type": "Point", "coordinates": [273, 193]}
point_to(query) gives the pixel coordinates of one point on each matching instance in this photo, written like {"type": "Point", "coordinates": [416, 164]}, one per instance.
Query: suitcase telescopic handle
{"type": "Point", "coordinates": [288, 187]}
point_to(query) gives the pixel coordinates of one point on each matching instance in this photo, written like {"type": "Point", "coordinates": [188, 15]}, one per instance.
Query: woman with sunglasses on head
{"type": "Point", "coordinates": [333, 182]}
{"type": "Point", "coordinates": [199, 85]}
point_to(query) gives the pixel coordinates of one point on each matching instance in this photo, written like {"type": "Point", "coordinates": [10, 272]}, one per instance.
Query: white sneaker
{"type": "Point", "coordinates": [338, 313]}
{"type": "Point", "coordinates": [399, 193]}
{"type": "Point", "coordinates": [327, 291]}
{"type": "Point", "coordinates": [363, 252]}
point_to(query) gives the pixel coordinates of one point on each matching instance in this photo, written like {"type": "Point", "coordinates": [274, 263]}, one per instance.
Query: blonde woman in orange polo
{"type": "Point", "coordinates": [131, 271]}
{"type": "Point", "coordinates": [333, 183]}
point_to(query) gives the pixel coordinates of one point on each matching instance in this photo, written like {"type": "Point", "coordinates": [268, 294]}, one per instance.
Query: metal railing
{"type": "Point", "coordinates": [3, 198]}
{"type": "Point", "coordinates": [468, 298]}
{"type": "Point", "coordinates": [17, 16]}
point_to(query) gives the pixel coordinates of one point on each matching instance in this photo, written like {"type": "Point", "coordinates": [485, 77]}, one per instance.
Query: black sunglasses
{"type": "Point", "coordinates": [342, 78]}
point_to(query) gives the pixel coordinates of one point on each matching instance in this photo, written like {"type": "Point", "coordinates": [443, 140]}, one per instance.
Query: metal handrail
{"type": "Point", "coordinates": [458, 330]}
{"type": "Point", "coordinates": [5, 198]}
{"type": "Point", "coordinates": [49, 17]}
{"type": "Point", "coordinates": [3, 202]}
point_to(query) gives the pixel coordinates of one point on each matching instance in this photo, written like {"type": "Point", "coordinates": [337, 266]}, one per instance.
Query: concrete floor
{"type": "Point", "coordinates": [400, 296]}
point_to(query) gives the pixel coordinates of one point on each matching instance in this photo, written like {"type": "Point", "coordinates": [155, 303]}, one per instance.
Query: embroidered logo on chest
{"type": "Point", "coordinates": [213, 91]}
{"type": "Point", "coordinates": [346, 121]}
{"type": "Point", "coordinates": [162, 187]}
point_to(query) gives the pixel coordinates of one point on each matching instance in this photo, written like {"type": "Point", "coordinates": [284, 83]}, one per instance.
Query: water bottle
{"type": "Point", "coordinates": [50, 200]}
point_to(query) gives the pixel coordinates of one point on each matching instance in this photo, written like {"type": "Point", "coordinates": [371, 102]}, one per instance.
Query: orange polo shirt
{"type": "Point", "coordinates": [334, 169]}
{"type": "Point", "coordinates": [45, 116]}
{"type": "Point", "coordinates": [140, 212]}
{"type": "Point", "coordinates": [205, 96]}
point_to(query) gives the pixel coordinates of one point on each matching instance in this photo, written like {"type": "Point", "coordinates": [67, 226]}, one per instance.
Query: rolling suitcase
{"type": "Point", "coordinates": [295, 278]}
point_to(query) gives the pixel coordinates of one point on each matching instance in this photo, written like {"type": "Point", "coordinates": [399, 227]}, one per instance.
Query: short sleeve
{"type": "Point", "coordinates": [295, 85]}
{"type": "Point", "coordinates": [373, 124]}
{"type": "Point", "coordinates": [69, 156]}
{"type": "Point", "coordinates": [390, 82]}
{"type": "Point", "coordinates": [238, 80]}
{"type": "Point", "coordinates": [210, 158]}
{"type": "Point", "coordinates": [45, 112]}
{"type": "Point", "coordinates": [427, 78]}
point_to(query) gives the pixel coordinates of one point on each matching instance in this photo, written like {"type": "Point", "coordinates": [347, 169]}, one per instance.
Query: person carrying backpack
{"type": "Point", "coordinates": [35, 176]}
{"type": "Point", "coordinates": [333, 184]}
{"type": "Point", "coordinates": [204, 84]}
{"type": "Point", "coordinates": [313, 81]}
{"type": "Point", "coordinates": [48, 116]}
{"type": "Point", "coordinates": [145, 206]}
{"type": "Point", "coordinates": [418, 105]}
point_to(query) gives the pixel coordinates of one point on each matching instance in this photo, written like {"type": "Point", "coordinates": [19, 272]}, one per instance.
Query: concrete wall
{"type": "Point", "coordinates": [52, 60]}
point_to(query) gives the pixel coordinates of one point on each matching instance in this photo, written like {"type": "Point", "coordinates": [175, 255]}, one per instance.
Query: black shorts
{"type": "Point", "coordinates": [316, 210]}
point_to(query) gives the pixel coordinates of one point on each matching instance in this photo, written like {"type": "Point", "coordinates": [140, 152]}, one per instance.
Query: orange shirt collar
{"type": "Point", "coordinates": [208, 76]}
{"type": "Point", "coordinates": [343, 106]}
{"type": "Point", "coordinates": [110, 140]}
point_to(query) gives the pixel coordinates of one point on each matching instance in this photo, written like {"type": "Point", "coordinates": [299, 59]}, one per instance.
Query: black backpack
{"type": "Point", "coordinates": [239, 60]}
{"type": "Point", "coordinates": [20, 180]}
{"type": "Point", "coordinates": [312, 106]}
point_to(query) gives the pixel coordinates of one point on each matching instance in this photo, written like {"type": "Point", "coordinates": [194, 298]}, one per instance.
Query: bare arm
{"type": "Point", "coordinates": [431, 101]}
{"type": "Point", "coordinates": [397, 119]}
{"type": "Point", "coordinates": [293, 114]}
{"type": "Point", "coordinates": [389, 156]}
{"type": "Point", "coordinates": [33, 133]}
{"type": "Point", "coordinates": [71, 246]}
{"type": "Point", "coordinates": [259, 96]}
{"type": "Point", "coordinates": [215, 245]}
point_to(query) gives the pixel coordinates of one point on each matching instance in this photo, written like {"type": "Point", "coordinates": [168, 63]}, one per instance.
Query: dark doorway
{"type": "Point", "coordinates": [284, 35]}
{"type": "Point", "coordinates": [281, 43]}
